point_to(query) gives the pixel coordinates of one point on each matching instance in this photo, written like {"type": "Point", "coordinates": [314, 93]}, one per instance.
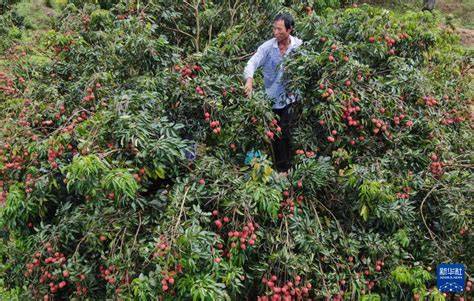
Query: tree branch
{"type": "Point", "coordinates": [178, 31]}
{"type": "Point", "coordinates": [433, 236]}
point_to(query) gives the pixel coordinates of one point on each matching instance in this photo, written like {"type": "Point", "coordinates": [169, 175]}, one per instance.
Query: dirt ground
{"type": "Point", "coordinates": [466, 34]}
{"type": "Point", "coordinates": [467, 37]}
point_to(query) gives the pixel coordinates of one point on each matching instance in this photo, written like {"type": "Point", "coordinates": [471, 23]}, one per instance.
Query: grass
{"type": "Point", "coordinates": [58, 5]}
{"type": "Point", "coordinates": [34, 14]}
{"type": "Point", "coordinates": [460, 12]}
{"type": "Point", "coordinates": [36, 18]}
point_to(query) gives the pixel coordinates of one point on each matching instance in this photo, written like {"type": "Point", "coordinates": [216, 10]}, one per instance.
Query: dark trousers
{"type": "Point", "coordinates": [282, 145]}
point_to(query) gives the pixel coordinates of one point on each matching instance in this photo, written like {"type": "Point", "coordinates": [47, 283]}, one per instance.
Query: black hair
{"type": "Point", "coordinates": [287, 18]}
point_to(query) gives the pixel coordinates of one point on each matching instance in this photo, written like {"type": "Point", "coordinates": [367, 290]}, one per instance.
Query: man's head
{"type": "Point", "coordinates": [283, 25]}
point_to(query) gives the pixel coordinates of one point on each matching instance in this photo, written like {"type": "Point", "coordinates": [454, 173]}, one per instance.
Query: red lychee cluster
{"type": "Point", "coordinates": [286, 291]}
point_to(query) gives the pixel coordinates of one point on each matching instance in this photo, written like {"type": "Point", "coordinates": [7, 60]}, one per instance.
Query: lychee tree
{"type": "Point", "coordinates": [126, 172]}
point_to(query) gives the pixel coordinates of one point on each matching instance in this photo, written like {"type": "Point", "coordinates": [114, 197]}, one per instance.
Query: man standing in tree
{"type": "Point", "coordinates": [428, 5]}
{"type": "Point", "coordinates": [269, 56]}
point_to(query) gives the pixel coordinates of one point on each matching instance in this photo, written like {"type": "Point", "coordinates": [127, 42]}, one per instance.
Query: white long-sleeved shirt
{"type": "Point", "coordinates": [269, 58]}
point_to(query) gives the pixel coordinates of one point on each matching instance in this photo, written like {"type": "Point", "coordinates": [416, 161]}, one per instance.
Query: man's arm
{"type": "Point", "coordinates": [255, 61]}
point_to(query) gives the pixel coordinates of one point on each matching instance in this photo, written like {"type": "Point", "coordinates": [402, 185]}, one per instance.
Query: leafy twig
{"type": "Point", "coordinates": [78, 245]}
{"type": "Point", "coordinates": [180, 213]}
{"type": "Point", "coordinates": [138, 230]}
{"type": "Point", "coordinates": [433, 236]}
{"type": "Point", "coordinates": [178, 31]}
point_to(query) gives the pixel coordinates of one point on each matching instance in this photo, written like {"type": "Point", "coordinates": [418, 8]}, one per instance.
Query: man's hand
{"type": "Point", "coordinates": [248, 87]}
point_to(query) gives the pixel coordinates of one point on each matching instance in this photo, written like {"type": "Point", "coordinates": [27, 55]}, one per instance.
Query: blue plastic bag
{"type": "Point", "coordinates": [191, 154]}
{"type": "Point", "coordinates": [250, 155]}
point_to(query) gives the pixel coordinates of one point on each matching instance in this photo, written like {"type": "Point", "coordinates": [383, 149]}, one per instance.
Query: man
{"type": "Point", "coordinates": [269, 56]}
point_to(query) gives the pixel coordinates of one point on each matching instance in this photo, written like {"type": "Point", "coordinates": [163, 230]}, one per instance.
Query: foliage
{"type": "Point", "coordinates": [124, 155]}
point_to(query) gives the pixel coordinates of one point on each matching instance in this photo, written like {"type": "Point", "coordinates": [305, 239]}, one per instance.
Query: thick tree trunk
{"type": "Point", "coordinates": [428, 5]}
